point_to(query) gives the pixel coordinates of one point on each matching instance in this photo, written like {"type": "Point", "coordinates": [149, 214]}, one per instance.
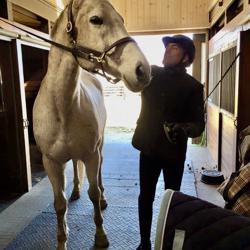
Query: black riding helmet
{"type": "Point", "coordinates": [186, 44]}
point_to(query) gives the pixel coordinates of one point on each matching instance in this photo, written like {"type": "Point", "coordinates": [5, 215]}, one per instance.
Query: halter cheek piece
{"type": "Point", "coordinates": [91, 54]}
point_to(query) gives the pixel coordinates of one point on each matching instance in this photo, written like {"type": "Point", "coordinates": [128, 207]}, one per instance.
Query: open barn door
{"type": "Point", "coordinates": [15, 176]}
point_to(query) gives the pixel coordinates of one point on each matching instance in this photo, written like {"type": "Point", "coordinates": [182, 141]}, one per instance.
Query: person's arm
{"type": "Point", "coordinates": [194, 128]}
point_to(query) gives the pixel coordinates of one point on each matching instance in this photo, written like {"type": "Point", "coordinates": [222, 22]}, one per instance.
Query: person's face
{"type": "Point", "coordinates": [173, 55]}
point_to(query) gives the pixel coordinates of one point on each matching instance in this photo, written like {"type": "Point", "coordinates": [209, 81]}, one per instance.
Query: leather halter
{"type": "Point", "coordinates": [88, 53]}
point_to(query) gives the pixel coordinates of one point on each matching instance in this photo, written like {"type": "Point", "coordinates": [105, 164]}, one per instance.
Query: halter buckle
{"type": "Point", "coordinates": [69, 27]}
{"type": "Point", "coordinates": [99, 59]}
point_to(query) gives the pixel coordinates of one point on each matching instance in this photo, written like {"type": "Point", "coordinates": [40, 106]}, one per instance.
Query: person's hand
{"type": "Point", "coordinates": [178, 133]}
{"type": "Point", "coordinates": [175, 132]}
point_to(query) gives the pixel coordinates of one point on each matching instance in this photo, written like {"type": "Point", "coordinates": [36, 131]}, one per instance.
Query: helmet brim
{"type": "Point", "coordinates": [168, 39]}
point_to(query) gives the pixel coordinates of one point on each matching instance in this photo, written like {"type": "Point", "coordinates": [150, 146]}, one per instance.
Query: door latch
{"type": "Point", "coordinates": [25, 123]}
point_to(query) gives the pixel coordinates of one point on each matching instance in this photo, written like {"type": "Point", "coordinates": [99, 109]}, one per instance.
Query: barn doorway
{"type": "Point", "coordinates": [34, 68]}
{"type": "Point", "coordinates": [123, 106]}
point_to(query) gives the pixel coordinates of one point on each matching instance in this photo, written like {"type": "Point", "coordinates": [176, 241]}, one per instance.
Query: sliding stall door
{"type": "Point", "coordinates": [228, 129]}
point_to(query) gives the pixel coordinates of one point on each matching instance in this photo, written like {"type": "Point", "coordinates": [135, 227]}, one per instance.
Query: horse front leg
{"type": "Point", "coordinates": [55, 173]}
{"type": "Point", "coordinates": [92, 170]}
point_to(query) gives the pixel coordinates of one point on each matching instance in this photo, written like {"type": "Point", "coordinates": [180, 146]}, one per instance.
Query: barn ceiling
{"type": "Point", "coordinates": [160, 15]}
{"type": "Point", "coordinates": [153, 15]}
{"type": "Point", "coordinates": [145, 15]}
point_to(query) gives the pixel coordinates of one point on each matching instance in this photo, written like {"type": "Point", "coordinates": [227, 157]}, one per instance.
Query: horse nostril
{"type": "Point", "coordinates": [140, 72]}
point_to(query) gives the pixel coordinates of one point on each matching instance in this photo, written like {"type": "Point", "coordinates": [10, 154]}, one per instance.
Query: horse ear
{"type": "Point", "coordinates": [65, 2]}
{"type": "Point", "coordinates": [76, 3]}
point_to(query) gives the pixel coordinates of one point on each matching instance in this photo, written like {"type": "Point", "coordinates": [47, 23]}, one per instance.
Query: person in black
{"type": "Point", "coordinates": [171, 111]}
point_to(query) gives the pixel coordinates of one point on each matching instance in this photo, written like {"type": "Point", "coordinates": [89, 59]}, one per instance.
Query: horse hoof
{"type": "Point", "coordinates": [103, 204]}
{"type": "Point", "coordinates": [75, 195]}
{"type": "Point", "coordinates": [101, 241]}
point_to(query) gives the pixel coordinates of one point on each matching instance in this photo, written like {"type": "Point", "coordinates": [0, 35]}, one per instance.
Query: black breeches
{"type": "Point", "coordinates": [150, 169]}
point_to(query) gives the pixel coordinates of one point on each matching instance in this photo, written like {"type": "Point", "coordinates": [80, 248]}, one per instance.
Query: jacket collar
{"type": "Point", "coordinates": [178, 69]}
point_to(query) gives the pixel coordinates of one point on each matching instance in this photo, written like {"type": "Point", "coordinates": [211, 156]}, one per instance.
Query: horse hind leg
{"type": "Point", "coordinates": [103, 201]}
{"type": "Point", "coordinates": [55, 173]}
{"type": "Point", "coordinates": [92, 169]}
{"type": "Point", "coordinates": [78, 167]}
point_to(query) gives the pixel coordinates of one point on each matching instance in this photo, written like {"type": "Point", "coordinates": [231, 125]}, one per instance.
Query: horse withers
{"type": "Point", "coordinates": [69, 113]}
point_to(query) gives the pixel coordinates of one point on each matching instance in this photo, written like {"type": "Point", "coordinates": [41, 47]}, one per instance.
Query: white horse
{"type": "Point", "coordinates": [69, 114]}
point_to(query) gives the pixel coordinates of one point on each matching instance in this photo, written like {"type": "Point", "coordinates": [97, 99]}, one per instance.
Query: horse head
{"type": "Point", "coordinates": [98, 26]}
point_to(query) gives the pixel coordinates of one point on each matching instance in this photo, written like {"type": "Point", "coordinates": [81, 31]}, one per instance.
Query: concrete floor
{"type": "Point", "coordinates": [120, 165]}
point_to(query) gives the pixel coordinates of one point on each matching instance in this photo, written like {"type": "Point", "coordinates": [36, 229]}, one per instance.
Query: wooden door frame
{"type": "Point", "coordinates": [21, 115]}
{"type": "Point", "coordinates": [22, 108]}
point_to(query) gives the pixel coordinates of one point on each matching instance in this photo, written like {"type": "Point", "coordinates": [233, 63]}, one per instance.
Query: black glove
{"type": "Point", "coordinates": [175, 132]}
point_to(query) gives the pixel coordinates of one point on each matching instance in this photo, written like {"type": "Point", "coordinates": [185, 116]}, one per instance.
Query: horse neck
{"type": "Point", "coordinates": [62, 74]}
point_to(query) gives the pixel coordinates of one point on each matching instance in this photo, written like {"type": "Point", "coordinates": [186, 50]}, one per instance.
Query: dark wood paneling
{"type": "Point", "coordinates": [3, 9]}
{"type": "Point", "coordinates": [228, 83]}
{"type": "Point", "coordinates": [244, 81]}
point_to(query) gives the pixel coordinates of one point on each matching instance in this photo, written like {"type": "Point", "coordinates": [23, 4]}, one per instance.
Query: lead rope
{"type": "Point", "coordinates": [223, 76]}
{"type": "Point", "coordinates": [73, 51]}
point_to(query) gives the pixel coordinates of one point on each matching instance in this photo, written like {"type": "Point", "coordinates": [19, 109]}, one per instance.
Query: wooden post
{"type": "Point", "coordinates": [197, 67]}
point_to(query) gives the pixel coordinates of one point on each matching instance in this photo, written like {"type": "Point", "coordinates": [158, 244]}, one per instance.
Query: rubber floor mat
{"type": "Point", "coordinates": [120, 218]}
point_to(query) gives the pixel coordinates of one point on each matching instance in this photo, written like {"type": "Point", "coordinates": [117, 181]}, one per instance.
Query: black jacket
{"type": "Point", "coordinates": [172, 96]}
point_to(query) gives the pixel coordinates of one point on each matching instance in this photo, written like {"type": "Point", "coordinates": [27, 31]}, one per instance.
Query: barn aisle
{"type": "Point", "coordinates": [120, 174]}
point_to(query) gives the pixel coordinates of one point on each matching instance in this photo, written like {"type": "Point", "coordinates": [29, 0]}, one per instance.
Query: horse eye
{"type": "Point", "coordinates": [96, 20]}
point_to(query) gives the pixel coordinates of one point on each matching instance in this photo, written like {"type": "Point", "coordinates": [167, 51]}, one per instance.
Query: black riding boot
{"type": "Point", "coordinates": [144, 246]}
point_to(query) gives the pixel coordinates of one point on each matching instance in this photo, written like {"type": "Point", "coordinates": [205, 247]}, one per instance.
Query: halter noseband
{"type": "Point", "coordinates": [91, 54]}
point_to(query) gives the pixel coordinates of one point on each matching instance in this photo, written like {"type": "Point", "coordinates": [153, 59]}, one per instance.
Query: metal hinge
{"type": "Point", "coordinates": [25, 123]}
{"type": "Point", "coordinates": [235, 122]}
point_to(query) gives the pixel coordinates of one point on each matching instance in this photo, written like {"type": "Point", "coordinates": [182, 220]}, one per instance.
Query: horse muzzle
{"type": "Point", "coordinates": [143, 74]}
{"type": "Point", "coordinates": [139, 79]}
